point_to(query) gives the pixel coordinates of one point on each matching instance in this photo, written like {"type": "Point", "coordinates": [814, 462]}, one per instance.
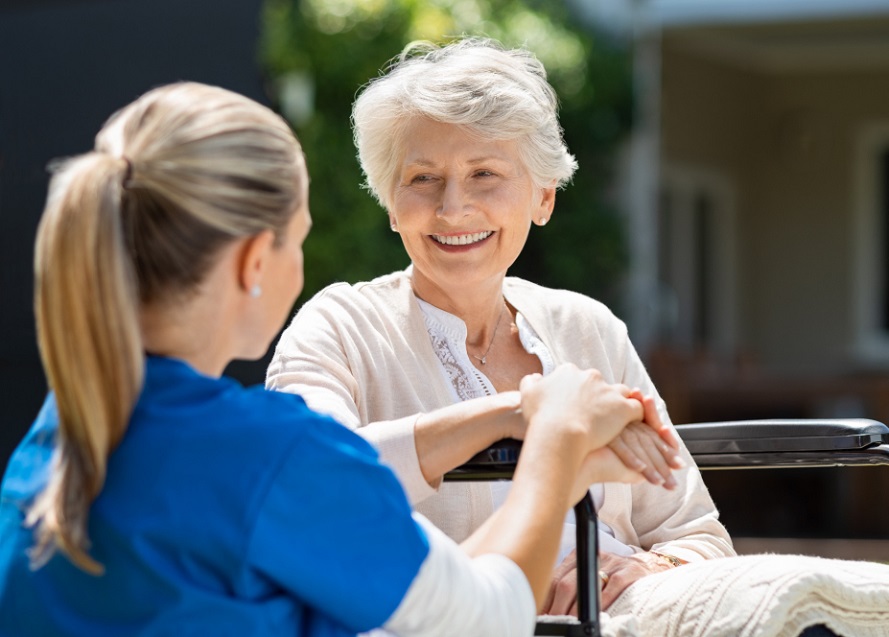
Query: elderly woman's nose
{"type": "Point", "coordinates": [454, 200]}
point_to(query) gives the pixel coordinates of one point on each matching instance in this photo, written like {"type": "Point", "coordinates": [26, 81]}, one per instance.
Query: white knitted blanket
{"type": "Point", "coordinates": [755, 595]}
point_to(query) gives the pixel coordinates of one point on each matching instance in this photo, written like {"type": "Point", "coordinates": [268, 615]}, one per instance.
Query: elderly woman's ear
{"type": "Point", "coordinates": [547, 202]}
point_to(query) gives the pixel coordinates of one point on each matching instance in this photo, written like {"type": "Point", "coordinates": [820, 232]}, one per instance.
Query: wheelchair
{"type": "Point", "coordinates": [748, 444]}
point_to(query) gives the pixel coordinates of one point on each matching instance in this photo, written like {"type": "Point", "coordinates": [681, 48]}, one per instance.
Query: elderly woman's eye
{"type": "Point", "coordinates": [483, 173]}
{"type": "Point", "coordinates": [421, 179]}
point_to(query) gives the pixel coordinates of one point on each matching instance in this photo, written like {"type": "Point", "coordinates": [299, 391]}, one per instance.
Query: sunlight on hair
{"type": "Point", "coordinates": [561, 51]}
{"type": "Point", "coordinates": [430, 22]}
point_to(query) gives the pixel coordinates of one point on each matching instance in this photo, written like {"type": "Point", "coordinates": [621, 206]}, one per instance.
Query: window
{"type": "Point", "coordinates": [871, 244]}
{"type": "Point", "coordinates": [696, 265]}
{"type": "Point", "coordinates": [882, 207]}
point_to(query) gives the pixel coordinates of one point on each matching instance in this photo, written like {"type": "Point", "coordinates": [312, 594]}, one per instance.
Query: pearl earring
{"type": "Point", "coordinates": [392, 227]}
{"type": "Point", "coordinates": [543, 221]}
{"type": "Point", "coordinates": [256, 291]}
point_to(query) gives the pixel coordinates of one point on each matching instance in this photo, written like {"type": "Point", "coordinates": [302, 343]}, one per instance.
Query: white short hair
{"type": "Point", "coordinates": [497, 94]}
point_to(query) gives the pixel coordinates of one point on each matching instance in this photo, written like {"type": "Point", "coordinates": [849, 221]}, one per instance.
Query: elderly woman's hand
{"type": "Point", "coordinates": [619, 570]}
{"type": "Point", "coordinates": [562, 596]}
{"type": "Point", "coordinates": [649, 447]}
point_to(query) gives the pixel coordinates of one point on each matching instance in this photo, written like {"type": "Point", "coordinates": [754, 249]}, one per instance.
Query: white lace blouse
{"type": "Point", "coordinates": [448, 336]}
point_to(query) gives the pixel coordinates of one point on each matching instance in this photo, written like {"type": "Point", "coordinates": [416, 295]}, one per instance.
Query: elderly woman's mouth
{"type": "Point", "coordinates": [461, 239]}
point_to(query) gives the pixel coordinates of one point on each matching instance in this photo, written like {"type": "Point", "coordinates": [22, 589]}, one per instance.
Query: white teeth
{"type": "Point", "coordinates": [463, 239]}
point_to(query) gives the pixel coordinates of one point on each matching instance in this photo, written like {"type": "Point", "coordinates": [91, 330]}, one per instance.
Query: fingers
{"type": "Point", "coordinates": [655, 449]}
{"type": "Point", "coordinates": [612, 590]}
{"type": "Point", "coordinates": [666, 433]}
{"type": "Point", "coordinates": [610, 565]}
{"type": "Point", "coordinates": [619, 572]}
{"type": "Point", "coordinates": [581, 401]}
{"type": "Point", "coordinates": [635, 398]}
{"type": "Point", "coordinates": [629, 457]}
{"type": "Point", "coordinates": [546, 609]}
{"type": "Point", "coordinates": [652, 417]}
{"type": "Point", "coordinates": [611, 410]}
{"type": "Point", "coordinates": [529, 381]}
{"type": "Point", "coordinates": [562, 596]}
{"type": "Point", "coordinates": [660, 457]}
{"type": "Point", "coordinates": [660, 454]}
{"type": "Point", "coordinates": [603, 465]}
{"type": "Point", "coordinates": [633, 456]}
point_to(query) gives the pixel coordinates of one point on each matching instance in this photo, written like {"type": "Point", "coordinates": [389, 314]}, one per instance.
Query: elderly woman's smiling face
{"type": "Point", "coordinates": [463, 206]}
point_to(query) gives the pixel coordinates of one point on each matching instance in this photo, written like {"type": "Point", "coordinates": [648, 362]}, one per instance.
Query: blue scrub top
{"type": "Point", "coordinates": [226, 511]}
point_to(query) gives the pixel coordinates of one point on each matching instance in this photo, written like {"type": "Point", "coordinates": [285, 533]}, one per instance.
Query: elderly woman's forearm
{"type": "Point", "coordinates": [450, 436]}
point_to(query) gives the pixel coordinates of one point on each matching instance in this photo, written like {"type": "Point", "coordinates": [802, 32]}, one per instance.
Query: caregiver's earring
{"type": "Point", "coordinates": [542, 221]}
{"type": "Point", "coordinates": [256, 291]}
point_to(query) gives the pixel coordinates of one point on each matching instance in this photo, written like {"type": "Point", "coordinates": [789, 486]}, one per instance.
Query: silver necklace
{"type": "Point", "coordinates": [484, 357]}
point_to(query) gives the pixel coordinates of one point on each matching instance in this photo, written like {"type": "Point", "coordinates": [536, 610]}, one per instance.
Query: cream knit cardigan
{"type": "Point", "coordinates": [361, 353]}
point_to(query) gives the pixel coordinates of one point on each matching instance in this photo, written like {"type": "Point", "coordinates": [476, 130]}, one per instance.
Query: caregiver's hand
{"type": "Point", "coordinates": [649, 447]}
{"type": "Point", "coordinates": [581, 398]}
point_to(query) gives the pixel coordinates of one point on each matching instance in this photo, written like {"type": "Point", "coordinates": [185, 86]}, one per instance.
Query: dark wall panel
{"type": "Point", "coordinates": [64, 68]}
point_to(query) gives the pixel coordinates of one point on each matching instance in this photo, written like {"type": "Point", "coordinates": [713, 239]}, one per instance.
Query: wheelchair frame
{"type": "Point", "coordinates": [743, 444]}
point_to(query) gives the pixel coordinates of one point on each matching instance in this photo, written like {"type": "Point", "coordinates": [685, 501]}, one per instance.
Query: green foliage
{"type": "Point", "coordinates": [341, 44]}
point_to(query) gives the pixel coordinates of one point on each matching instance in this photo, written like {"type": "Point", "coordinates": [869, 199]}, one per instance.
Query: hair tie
{"type": "Point", "coordinates": [128, 174]}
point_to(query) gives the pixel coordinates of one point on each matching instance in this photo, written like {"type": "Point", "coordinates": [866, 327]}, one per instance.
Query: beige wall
{"type": "Point", "coordinates": [786, 143]}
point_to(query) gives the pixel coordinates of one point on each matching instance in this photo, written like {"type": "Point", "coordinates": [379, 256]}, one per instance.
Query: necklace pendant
{"type": "Point", "coordinates": [484, 360]}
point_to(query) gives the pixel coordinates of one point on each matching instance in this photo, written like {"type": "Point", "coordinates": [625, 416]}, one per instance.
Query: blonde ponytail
{"type": "Point", "coordinates": [176, 175]}
{"type": "Point", "coordinates": [90, 344]}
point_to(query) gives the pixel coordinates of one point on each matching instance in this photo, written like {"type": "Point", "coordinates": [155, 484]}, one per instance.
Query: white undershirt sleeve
{"type": "Point", "coordinates": [454, 594]}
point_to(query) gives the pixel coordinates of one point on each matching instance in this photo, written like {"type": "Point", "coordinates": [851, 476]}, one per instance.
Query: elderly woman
{"type": "Point", "coordinates": [463, 148]}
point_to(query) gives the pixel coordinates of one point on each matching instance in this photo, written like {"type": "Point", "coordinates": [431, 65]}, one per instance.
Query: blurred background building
{"type": "Point", "coordinates": [766, 224]}
{"type": "Point", "coordinates": [758, 180]}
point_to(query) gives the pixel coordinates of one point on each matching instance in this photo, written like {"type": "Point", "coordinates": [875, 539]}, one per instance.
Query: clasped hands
{"type": "Point", "coordinates": [628, 439]}
{"type": "Point", "coordinates": [635, 445]}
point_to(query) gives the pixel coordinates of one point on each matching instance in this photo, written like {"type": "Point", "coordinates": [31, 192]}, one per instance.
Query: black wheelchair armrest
{"type": "Point", "coordinates": [497, 462]}
{"type": "Point", "coordinates": [786, 443]}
